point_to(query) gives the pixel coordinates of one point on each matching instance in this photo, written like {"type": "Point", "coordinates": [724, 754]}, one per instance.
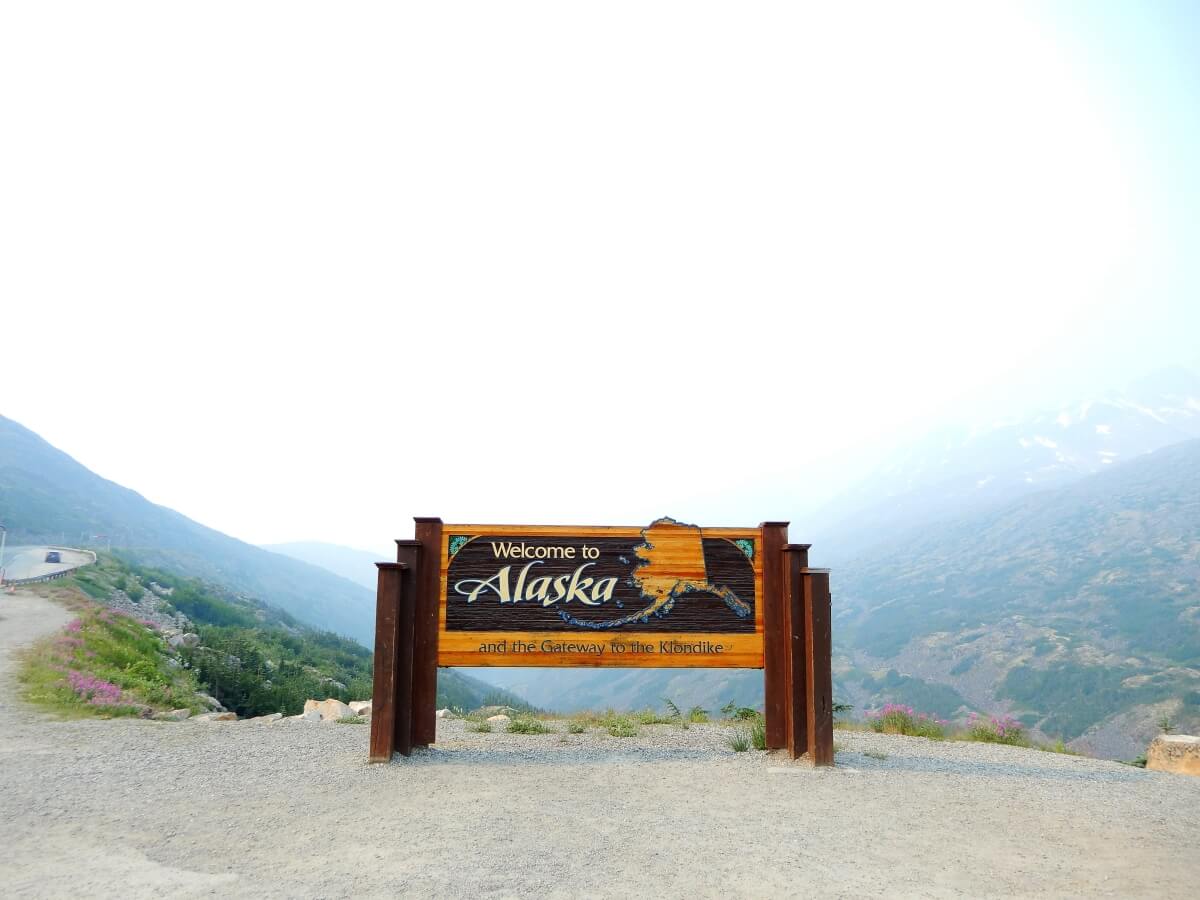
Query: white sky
{"type": "Point", "coordinates": [302, 271]}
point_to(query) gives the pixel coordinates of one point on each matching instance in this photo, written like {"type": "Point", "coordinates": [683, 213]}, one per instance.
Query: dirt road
{"type": "Point", "coordinates": [145, 809]}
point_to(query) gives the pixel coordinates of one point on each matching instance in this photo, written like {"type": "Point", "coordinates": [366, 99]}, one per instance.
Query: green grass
{"type": "Point", "coordinates": [739, 741]}
{"type": "Point", "coordinates": [758, 734]}
{"type": "Point", "coordinates": [105, 664]}
{"type": "Point", "coordinates": [576, 726]}
{"type": "Point", "coordinates": [352, 720]}
{"type": "Point", "coordinates": [483, 727]}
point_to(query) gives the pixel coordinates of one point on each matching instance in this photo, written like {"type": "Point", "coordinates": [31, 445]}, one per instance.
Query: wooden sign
{"type": "Point", "coordinates": [665, 595]}
{"type": "Point", "coordinates": [668, 594]}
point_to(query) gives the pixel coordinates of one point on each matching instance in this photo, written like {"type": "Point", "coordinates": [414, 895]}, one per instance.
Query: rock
{"type": "Point", "coordinates": [494, 710]}
{"type": "Point", "coordinates": [330, 710]}
{"type": "Point", "coordinates": [211, 702]}
{"type": "Point", "coordinates": [361, 707]}
{"type": "Point", "coordinates": [499, 719]}
{"type": "Point", "coordinates": [1178, 753]}
{"type": "Point", "coordinates": [443, 714]}
{"type": "Point", "coordinates": [269, 717]}
{"type": "Point", "coordinates": [310, 715]}
{"type": "Point", "coordinates": [184, 640]}
{"type": "Point", "coordinates": [175, 715]}
{"type": "Point", "coordinates": [216, 717]}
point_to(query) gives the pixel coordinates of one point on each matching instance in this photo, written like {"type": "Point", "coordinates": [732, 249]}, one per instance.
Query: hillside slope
{"type": "Point", "coordinates": [46, 496]}
{"type": "Point", "coordinates": [1072, 606]}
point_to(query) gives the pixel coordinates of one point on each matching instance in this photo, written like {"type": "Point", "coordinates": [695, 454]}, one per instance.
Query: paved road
{"type": "Point", "coordinates": [30, 562]}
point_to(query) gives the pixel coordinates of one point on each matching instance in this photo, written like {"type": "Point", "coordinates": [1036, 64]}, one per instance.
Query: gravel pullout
{"type": "Point", "coordinates": [139, 809]}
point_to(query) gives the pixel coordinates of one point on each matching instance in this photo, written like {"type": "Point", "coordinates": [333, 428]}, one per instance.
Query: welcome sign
{"type": "Point", "coordinates": [668, 594]}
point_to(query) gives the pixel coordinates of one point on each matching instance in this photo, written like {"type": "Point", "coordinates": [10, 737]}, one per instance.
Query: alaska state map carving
{"type": "Point", "coordinates": [672, 566]}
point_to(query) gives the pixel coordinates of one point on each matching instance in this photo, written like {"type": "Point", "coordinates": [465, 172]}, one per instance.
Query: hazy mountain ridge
{"type": "Point", "coordinates": [967, 468]}
{"type": "Point", "coordinates": [347, 562]}
{"type": "Point", "coordinates": [46, 496]}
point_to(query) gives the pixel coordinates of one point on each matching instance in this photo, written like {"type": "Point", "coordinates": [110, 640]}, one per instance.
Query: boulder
{"type": "Point", "coordinates": [210, 702]}
{"type": "Point", "coordinates": [1178, 753]}
{"type": "Point", "coordinates": [269, 717]}
{"type": "Point", "coordinates": [361, 707]}
{"type": "Point", "coordinates": [184, 640]}
{"type": "Point", "coordinates": [310, 715]}
{"type": "Point", "coordinates": [175, 715]}
{"type": "Point", "coordinates": [330, 710]}
{"type": "Point", "coordinates": [499, 719]}
{"type": "Point", "coordinates": [443, 714]}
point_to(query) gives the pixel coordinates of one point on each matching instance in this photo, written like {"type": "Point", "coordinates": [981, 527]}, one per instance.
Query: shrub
{"type": "Point", "coordinates": [650, 717]}
{"type": "Point", "coordinates": [897, 719]}
{"type": "Point", "coordinates": [995, 730]}
{"type": "Point", "coordinates": [576, 726]}
{"type": "Point", "coordinates": [676, 714]}
{"type": "Point", "coordinates": [621, 726]}
{"type": "Point", "coordinates": [528, 725]}
{"type": "Point", "coordinates": [483, 726]}
{"type": "Point", "coordinates": [739, 741]}
{"type": "Point", "coordinates": [697, 715]}
{"type": "Point", "coordinates": [739, 713]}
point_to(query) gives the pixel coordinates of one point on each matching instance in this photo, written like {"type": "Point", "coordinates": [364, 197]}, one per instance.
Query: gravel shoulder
{"type": "Point", "coordinates": [292, 809]}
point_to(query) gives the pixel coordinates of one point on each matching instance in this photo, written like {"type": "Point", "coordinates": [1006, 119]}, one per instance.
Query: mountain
{"type": "Point", "coordinates": [46, 496]}
{"type": "Point", "coordinates": [353, 565]}
{"type": "Point", "coordinates": [569, 690]}
{"type": "Point", "coordinates": [1077, 608]}
{"type": "Point", "coordinates": [962, 469]}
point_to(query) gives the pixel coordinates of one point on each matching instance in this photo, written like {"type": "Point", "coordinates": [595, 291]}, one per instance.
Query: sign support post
{"type": "Point", "coordinates": [775, 649]}
{"type": "Point", "coordinates": [425, 632]}
{"type": "Point", "coordinates": [819, 678]}
{"type": "Point", "coordinates": [391, 698]}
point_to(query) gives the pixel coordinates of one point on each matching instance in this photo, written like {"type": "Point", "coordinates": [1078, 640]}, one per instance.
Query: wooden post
{"type": "Point", "coordinates": [795, 558]}
{"type": "Point", "coordinates": [775, 649]}
{"type": "Point", "coordinates": [387, 693]}
{"type": "Point", "coordinates": [425, 632]}
{"type": "Point", "coordinates": [409, 554]}
{"type": "Point", "coordinates": [819, 688]}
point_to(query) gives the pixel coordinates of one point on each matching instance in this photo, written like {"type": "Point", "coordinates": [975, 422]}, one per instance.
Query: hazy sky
{"type": "Point", "coordinates": [302, 271]}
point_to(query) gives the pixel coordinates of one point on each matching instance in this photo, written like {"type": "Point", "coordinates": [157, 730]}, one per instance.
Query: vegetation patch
{"type": "Point", "coordinates": [897, 719]}
{"type": "Point", "coordinates": [995, 730]}
{"type": "Point", "coordinates": [105, 664]}
{"type": "Point", "coordinates": [528, 725]}
{"type": "Point", "coordinates": [621, 726]}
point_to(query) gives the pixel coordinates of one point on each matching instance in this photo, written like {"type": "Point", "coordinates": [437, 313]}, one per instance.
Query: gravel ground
{"type": "Point", "coordinates": [139, 809]}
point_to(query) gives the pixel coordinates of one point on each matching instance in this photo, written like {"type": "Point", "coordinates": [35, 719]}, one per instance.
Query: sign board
{"type": "Point", "coordinates": [668, 594]}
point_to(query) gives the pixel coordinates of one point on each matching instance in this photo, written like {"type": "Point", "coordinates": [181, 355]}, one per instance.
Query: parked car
{"type": "Point", "coordinates": [53, 556]}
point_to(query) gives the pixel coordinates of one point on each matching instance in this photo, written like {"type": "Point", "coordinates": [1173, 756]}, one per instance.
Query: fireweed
{"type": "Point", "coordinates": [105, 663]}
{"type": "Point", "coordinates": [995, 729]}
